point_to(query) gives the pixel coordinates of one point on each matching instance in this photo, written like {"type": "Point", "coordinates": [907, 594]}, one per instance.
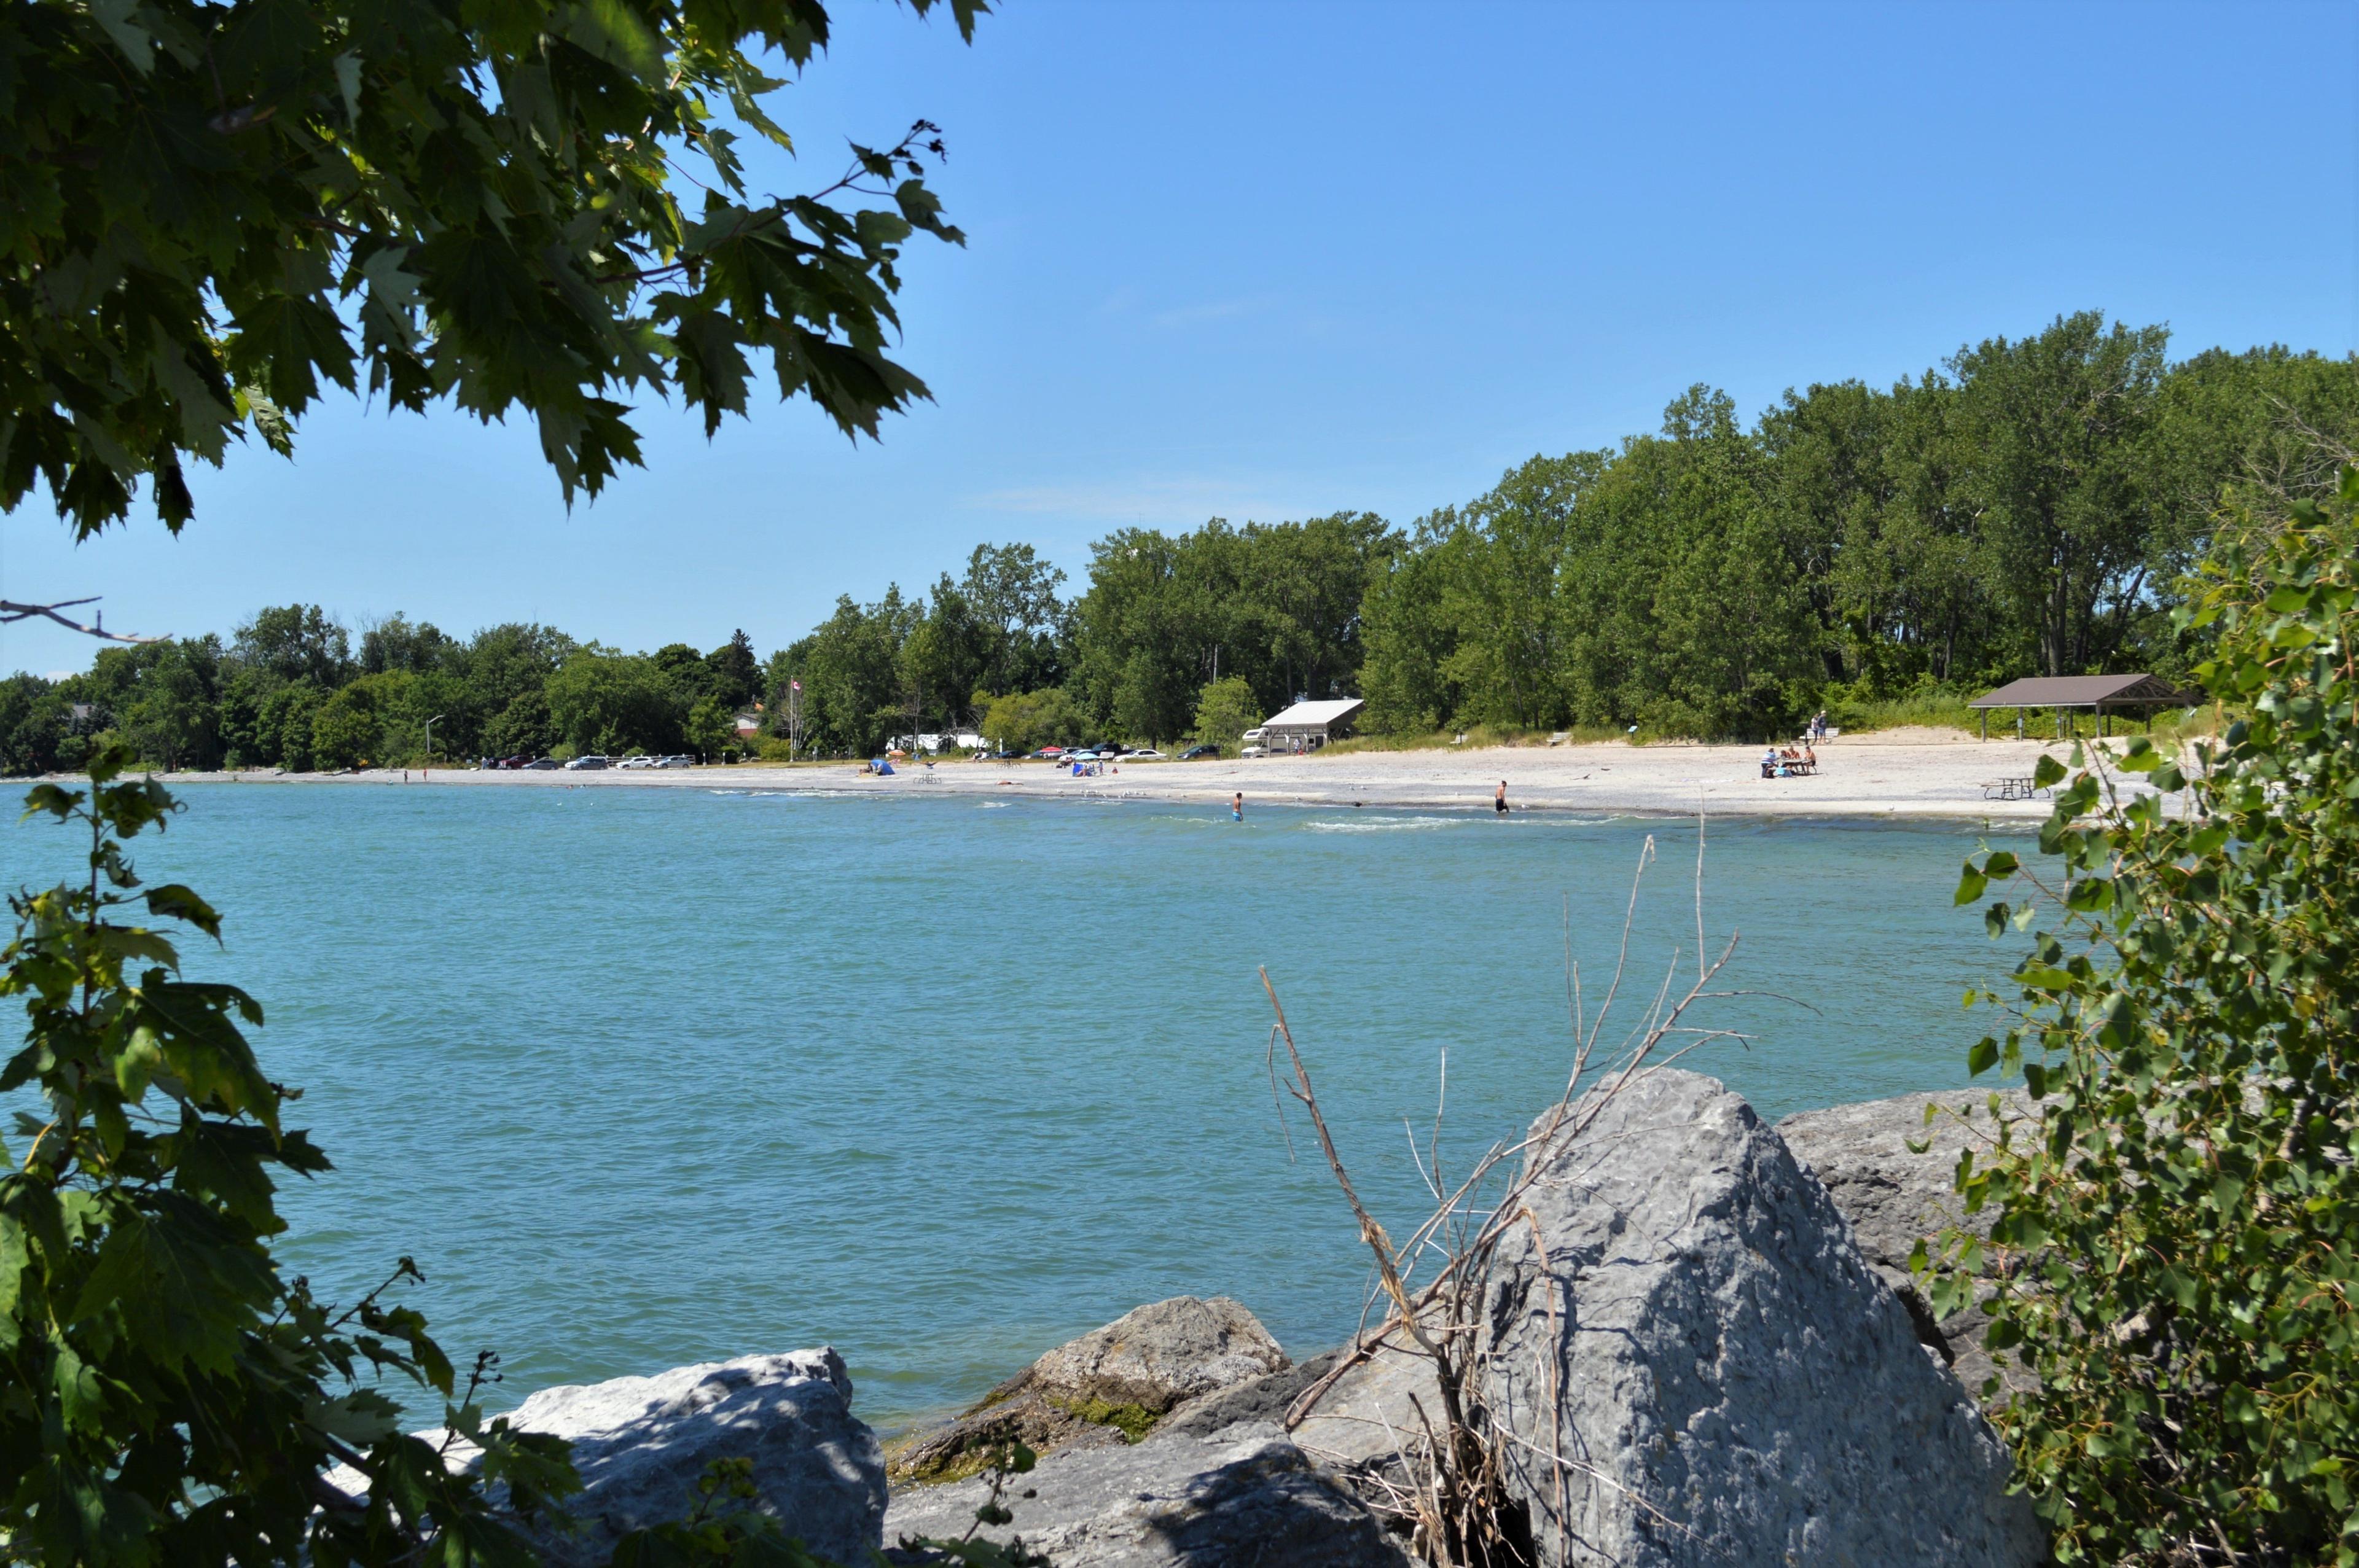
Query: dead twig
{"type": "Point", "coordinates": [10, 612]}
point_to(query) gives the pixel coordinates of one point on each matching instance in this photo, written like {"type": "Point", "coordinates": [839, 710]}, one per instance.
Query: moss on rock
{"type": "Point", "coordinates": [1133, 1422]}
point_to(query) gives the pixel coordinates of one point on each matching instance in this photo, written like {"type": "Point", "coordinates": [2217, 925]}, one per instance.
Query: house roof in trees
{"type": "Point", "coordinates": [1316, 716]}
{"type": "Point", "coordinates": [2087, 691]}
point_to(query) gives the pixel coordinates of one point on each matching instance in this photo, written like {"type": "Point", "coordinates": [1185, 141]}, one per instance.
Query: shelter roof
{"type": "Point", "coordinates": [2083, 691]}
{"type": "Point", "coordinates": [1311, 715]}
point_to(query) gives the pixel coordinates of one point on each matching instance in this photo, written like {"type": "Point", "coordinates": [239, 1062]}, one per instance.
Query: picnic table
{"type": "Point", "coordinates": [2010, 788]}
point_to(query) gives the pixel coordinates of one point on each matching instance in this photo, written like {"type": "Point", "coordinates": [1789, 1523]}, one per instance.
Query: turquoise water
{"type": "Point", "coordinates": [648, 1076]}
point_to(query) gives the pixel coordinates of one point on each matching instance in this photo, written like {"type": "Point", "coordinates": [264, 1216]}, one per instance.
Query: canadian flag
{"type": "Point", "coordinates": [796, 684]}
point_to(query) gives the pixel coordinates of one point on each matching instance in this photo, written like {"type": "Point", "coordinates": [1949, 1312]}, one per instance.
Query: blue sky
{"type": "Point", "coordinates": [1271, 260]}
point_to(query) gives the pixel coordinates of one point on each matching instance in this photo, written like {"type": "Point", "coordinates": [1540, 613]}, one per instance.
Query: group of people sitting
{"type": "Point", "coordinates": [1787, 762]}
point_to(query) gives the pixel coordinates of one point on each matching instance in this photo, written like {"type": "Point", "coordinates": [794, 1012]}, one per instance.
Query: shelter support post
{"type": "Point", "coordinates": [1985, 724]}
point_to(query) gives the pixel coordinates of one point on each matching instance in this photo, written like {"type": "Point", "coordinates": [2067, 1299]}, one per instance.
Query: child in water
{"type": "Point", "coordinates": [1237, 807]}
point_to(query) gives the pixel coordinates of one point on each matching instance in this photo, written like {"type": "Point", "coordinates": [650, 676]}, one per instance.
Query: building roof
{"type": "Point", "coordinates": [1315, 715]}
{"type": "Point", "coordinates": [2084, 691]}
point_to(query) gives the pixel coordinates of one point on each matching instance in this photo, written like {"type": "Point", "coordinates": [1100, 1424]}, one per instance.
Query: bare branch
{"type": "Point", "coordinates": [10, 611]}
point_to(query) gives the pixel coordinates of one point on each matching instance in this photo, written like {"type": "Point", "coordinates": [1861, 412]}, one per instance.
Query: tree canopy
{"type": "Point", "coordinates": [216, 207]}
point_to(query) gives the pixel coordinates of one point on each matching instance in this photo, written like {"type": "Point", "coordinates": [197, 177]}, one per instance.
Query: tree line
{"type": "Point", "coordinates": [292, 688]}
{"type": "Point", "coordinates": [2028, 508]}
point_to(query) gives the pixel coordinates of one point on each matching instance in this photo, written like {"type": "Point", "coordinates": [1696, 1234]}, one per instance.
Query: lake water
{"type": "Point", "coordinates": [649, 1076]}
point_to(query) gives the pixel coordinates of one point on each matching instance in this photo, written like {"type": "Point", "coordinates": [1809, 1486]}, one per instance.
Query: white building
{"type": "Point", "coordinates": [1309, 725]}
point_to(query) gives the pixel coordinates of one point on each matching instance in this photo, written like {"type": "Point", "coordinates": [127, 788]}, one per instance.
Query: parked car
{"type": "Point", "coordinates": [1143, 754]}
{"type": "Point", "coordinates": [638, 761]}
{"type": "Point", "coordinates": [1253, 751]}
{"type": "Point", "coordinates": [585, 764]}
{"type": "Point", "coordinates": [677, 760]}
{"type": "Point", "coordinates": [1192, 752]}
{"type": "Point", "coordinates": [541, 765]}
{"type": "Point", "coordinates": [521, 760]}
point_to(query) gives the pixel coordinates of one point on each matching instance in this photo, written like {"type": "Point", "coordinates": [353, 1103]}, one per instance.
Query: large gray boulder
{"type": "Point", "coordinates": [1113, 1384]}
{"type": "Point", "coordinates": [1155, 1356]}
{"type": "Point", "coordinates": [1244, 1498]}
{"type": "Point", "coordinates": [641, 1444]}
{"type": "Point", "coordinates": [1701, 1368]}
{"type": "Point", "coordinates": [1892, 1196]}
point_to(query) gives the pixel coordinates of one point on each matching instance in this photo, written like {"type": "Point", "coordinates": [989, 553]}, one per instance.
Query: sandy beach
{"type": "Point", "coordinates": [1897, 774]}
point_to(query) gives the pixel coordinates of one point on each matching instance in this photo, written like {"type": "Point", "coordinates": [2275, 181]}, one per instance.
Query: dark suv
{"type": "Point", "coordinates": [1192, 752]}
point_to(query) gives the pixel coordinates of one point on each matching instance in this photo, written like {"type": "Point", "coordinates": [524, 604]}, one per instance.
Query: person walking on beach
{"type": "Point", "coordinates": [1237, 807]}
{"type": "Point", "coordinates": [1499, 801]}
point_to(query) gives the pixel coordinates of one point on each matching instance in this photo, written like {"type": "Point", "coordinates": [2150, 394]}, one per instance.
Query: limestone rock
{"type": "Point", "coordinates": [1263, 1400]}
{"type": "Point", "coordinates": [1112, 1383]}
{"type": "Point", "coordinates": [962, 1447]}
{"type": "Point", "coordinates": [1366, 1417]}
{"type": "Point", "coordinates": [1154, 1357]}
{"type": "Point", "coordinates": [1893, 1196]}
{"type": "Point", "coordinates": [1703, 1369]}
{"type": "Point", "coordinates": [641, 1444]}
{"type": "Point", "coordinates": [1244, 1498]}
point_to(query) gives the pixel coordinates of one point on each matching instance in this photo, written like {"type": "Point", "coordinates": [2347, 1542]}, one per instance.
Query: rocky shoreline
{"type": "Point", "coordinates": [1705, 1348]}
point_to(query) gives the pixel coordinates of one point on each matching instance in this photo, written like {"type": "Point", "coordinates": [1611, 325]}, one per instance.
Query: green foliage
{"type": "Point", "coordinates": [601, 700]}
{"type": "Point", "coordinates": [35, 726]}
{"type": "Point", "coordinates": [398, 644]}
{"type": "Point", "coordinates": [347, 730]}
{"type": "Point", "coordinates": [854, 693]}
{"type": "Point", "coordinates": [380, 719]}
{"type": "Point", "coordinates": [1276, 604]}
{"type": "Point", "coordinates": [1225, 709]}
{"type": "Point", "coordinates": [213, 208]}
{"type": "Point", "coordinates": [296, 642]}
{"type": "Point", "coordinates": [2177, 1238]}
{"type": "Point", "coordinates": [733, 675]}
{"type": "Point", "coordinates": [2064, 498]}
{"type": "Point", "coordinates": [1012, 595]}
{"type": "Point", "coordinates": [166, 1396]}
{"type": "Point", "coordinates": [710, 728]}
{"type": "Point", "coordinates": [1028, 721]}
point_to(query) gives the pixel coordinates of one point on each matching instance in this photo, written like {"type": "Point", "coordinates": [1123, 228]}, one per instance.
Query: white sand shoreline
{"type": "Point", "coordinates": [1894, 774]}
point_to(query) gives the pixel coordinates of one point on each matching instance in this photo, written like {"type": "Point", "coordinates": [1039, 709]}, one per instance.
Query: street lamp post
{"type": "Point", "coordinates": [429, 742]}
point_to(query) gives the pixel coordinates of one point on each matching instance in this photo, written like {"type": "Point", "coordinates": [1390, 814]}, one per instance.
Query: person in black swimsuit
{"type": "Point", "coordinates": [1500, 800]}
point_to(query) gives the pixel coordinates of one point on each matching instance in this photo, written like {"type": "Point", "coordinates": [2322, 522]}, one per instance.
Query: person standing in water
{"type": "Point", "coordinates": [1237, 807]}
{"type": "Point", "coordinates": [1500, 800]}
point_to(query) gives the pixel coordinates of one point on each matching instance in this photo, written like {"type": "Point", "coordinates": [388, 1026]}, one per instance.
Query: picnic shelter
{"type": "Point", "coordinates": [2102, 695]}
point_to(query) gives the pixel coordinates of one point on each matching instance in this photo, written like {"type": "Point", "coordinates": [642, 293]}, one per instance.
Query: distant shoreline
{"type": "Point", "coordinates": [1897, 775]}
